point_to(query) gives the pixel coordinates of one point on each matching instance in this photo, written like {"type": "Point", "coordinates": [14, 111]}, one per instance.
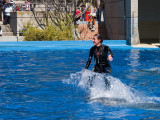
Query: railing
{"type": "Point", "coordinates": [41, 6]}
{"type": "Point", "coordinates": [32, 6]}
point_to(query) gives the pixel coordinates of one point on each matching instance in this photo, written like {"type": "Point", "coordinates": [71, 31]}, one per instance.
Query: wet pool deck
{"type": "Point", "coordinates": [10, 42]}
{"type": "Point", "coordinates": [146, 45]}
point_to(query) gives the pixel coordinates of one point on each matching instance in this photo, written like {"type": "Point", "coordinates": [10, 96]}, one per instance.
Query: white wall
{"type": "Point", "coordinates": [20, 18]}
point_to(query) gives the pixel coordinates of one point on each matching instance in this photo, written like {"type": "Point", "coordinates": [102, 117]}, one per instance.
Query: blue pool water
{"type": "Point", "coordinates": [47, 81]}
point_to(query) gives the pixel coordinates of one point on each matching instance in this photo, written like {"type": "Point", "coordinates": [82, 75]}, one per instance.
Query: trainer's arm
{"type": "Point", "coordinates": [89, 59]}
{"type": "Point", "coordinates": [110, 56]}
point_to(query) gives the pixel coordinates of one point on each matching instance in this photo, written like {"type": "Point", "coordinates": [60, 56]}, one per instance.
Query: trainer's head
{"type": "Point", "coordinates": [97, 39]}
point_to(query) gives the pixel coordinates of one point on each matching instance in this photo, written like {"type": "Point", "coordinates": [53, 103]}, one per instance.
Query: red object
{"type": "Point", "coordinates": [17, 8]}
{"type": "Point", "coordinates": [78, 12]}
{"type": "Point", "coordinates": [87, 15]}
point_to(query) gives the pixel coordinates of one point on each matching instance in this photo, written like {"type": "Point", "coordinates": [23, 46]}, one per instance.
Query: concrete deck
{"type": "Point", "coordinates": [145, 46]}
{"type": "Point", "coordinates": [156, 44]}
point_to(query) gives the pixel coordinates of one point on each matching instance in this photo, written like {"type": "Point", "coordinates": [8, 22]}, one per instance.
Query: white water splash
{"type": "Point", "coordinates": [117, 92]}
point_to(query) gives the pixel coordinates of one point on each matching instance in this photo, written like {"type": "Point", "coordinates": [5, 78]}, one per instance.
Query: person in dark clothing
{"type": "Point", "coordinates": [102, 54]}
{"type": "Point", "coordinates": [83, 7]}
{"type": "Point", "coordinates": [0, 31]}
{"type": "Point", "coordinates": [4, 13]}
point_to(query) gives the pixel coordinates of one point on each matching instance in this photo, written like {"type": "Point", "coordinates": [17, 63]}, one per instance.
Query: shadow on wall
{"type": "Point", "coordinates": [149, 21]}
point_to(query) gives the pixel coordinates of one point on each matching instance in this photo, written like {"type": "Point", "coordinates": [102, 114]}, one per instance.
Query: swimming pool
{"type": "Point", "coordinates": [45, 81]}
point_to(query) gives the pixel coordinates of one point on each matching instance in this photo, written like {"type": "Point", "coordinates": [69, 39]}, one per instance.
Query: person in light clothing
{"type": "Point", "coordinates": [8, 11]}
{"type": "Point", "coordinates": [0, 31]}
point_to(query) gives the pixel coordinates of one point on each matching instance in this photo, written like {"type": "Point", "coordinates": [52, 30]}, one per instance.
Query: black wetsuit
{"type": "Point", "coordinates": [100, 55]}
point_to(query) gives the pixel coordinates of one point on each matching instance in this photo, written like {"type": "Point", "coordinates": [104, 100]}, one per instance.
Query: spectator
{"type": "Point", "coordinates": [0, 10]}
{"type": "Point", "coordinates": [33, 6]}
{"type": "Point", "coordinates": [91, 23]}
{"type": "Point", "coordinates": [78, 15]}
{"type": "Point", "coordinates": [8, 11]}
{"type": "Point", "coordinates": [28, 5]}
{"type": "Point", "coordinates": [13, 5]}
{"type": "Point", "coordinates": [0, 31]}
{"type": "Point", "coordinates": [17, 7]}
{"type": "Point", "coordinates": [23, 7]}
{"type": "Point", "coordinates": [94, 13]}
{"type": "Point", "coordinates": [83, 7]}
{"type": "Point", "coordinates": [4, 13]}
{"type": "Point", "coordinates": [100, 14]}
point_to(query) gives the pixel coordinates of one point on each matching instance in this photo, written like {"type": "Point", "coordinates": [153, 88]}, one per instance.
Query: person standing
{"type": "Point", "coordinates": [8, 11]}
{"type": "Point", "coordinates": [91, 23]}
{"type": "Point", "coordinates": [0, 31]}
{"type": "Point", "coordinates": [78, 14]}
{"type": "Point", "coordinates": [83, 7]}
{"type": "Point", "coordinates": [77, 18]}
{"type": "Point", "coordinates": [28, 5]}
{"type": "Point", "coordinates": [4, 8]}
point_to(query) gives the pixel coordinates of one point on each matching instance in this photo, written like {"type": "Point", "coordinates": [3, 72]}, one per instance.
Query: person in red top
{"type": "Point", "coordinates": [17, 8]}
{"type": "Point", "coordinates": [78, 14]}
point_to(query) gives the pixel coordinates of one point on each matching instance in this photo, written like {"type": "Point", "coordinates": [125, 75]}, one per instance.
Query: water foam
{"type": "Point", "coordinates": [117, 92]}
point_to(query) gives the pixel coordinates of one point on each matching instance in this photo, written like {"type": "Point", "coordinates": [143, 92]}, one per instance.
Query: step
{"type": "Point", "coordinates": [87, 34]}
{"type": "Point", "coordinates": [1, 23]}
{"type": "Point", "coordinates": [90, 32]}
{"type": "Point", "coordinates": [86, 29]}
{"type": "Point", "coordinates": [91, 35]}
{"type": "Point", "coordinates": [7, 33]}
{"type": "Point", "coordinates": [8, 38]}
{"type": "Point", "coordinates": [6, 28]}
